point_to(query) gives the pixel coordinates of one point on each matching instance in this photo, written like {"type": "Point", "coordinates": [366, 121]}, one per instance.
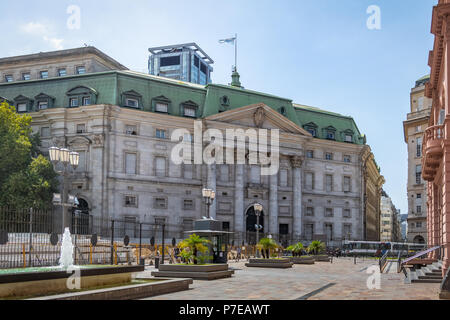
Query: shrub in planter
{"type": "Point", "coordinates": [316, 247]}
{"type": "Point", "coordinates": [191, 247]}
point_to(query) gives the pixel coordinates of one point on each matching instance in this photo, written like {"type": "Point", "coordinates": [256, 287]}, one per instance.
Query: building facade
{"type": "Point", "coordinates": [390, 220]}
{"type": "Point", "coordinates": [123, 123]}
{"type": "Point", "coordinates": [436, 147]}
{"type": "Point", "coordinates": [185, 62]}
{"type": "Point", "coordinates": [414, 128]}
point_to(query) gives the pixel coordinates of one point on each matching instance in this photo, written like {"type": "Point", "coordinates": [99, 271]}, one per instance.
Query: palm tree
{"type": "Point", "coordinates": [267, 244]}
{"type": "Point", "coordinates": [195, 244]}
{"type": "Point", "coordinates": [316, 247]}
{"type": "Point", "coordinates": [297, 249]}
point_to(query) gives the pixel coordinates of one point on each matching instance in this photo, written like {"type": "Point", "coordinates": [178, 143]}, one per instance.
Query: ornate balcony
{"type": "Point", "coordinates": [432, 151]}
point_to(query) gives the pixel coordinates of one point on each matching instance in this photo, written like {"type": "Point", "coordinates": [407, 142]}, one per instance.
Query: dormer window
{"type": "Point", "coordinates": [311, 128]}
{"type": "Point", "coordinates": [44, 101]}
{"type": "Point", "coordinates": [330, 133]}
{"type": "Point", "coordinates": [23, 104]}
{"type": "Point", "coordinates": [189, 109]}
{"type": "Point", "coordinates": [161, 104]}
{"type": "Point", "coordinates": [44, 74]}
{"type": "Point", "coordinates": [313, 132]}
{"type": "Point", "coordinates": [348, 138]}
{"type": "Point", "coordinates": [9, 78]}
{"type": "Point", "coordinates": [62, 72]}
{"type": "Point", "coordinates": [282, 111]}
{"type": "Point", "coordinates": [81, 95]}
{"type": "Point", "coordinates": [42, 105]}
{"type": "Point", "coordinates": [162, 107]}
{"type": "Point", "coordinates": [26, 76]}
{"type": "Point", "coordinates": [21, 107]}
{"type": "Point", "coordinates": [132, 103]}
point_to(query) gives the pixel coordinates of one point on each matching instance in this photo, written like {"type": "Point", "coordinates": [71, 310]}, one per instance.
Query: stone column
{"type": "Point", "coordinates": [445, 212]}
{"type": "Point", "coordinates": [211, 184]}
{"type": "Point", "coordinates": [297, 196]}
{"type": "Point", "coordinates": [239, 200]}
{"type": "Point", "coordinates": [273, 204]}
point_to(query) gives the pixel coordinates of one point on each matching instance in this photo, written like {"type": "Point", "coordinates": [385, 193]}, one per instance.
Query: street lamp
{"type": "Point", "coordinates": [258, 209]}
{"type": "Point", "coordinates": [209, 195]}
{"type": "Point", "coordinates": [66, 158]}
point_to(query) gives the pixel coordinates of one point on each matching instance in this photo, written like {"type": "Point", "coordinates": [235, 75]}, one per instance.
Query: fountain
{"type": "Point", "coordinates": [66, 259]}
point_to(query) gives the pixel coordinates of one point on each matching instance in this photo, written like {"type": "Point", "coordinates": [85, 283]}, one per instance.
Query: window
{"type": "Point", "coordinates": [160, 134]}
{"type": "Point", "coordinates": [81, 128]}
{"type": "Point", "coordinates": [284, 229]}
{"type": "Point", "coordinates": [45, 132]}
{"type": "Point", "coordinates": [162, 107]}
{"type": "Point", "coordinates": [130, 163]}
{"type": "Point", "coordinates": [160, 203]}
{"type": "Point", "coordinates": [309, 181]}
{"type": "Point", "coordinates": [347, 159]}
{"type": "Point", "coordinates": [160, 167]}
{"type": "Point", "coordinates": [44, 74]}
{"type": "Point", "coordinates": [312, 131]}
{"type": "Point", "coordinates": [81, 70]}
{"type": "Point", "coordinates": [347, 231]}
{"type": "Point", "coordinates": [21, 107]}
{"type": "Point", "coordinates": [170, 61]}
{"type": "Point", "coordinates": [73, 102]}
{"type": "Point", "coordinates": [226, 226]}
{"type": "Point", "coordinates": [188, 204]}
{"type": "Point", "coordinates": [329, 212]}
{"type": "Point", "coordinates": [328, 156]}
{"type": "Point", "coordinates": [283, 178]}
{"type": "Point", "coordinates": [86, 101]}
{"type": "Point", "coordinates": [160, 221]}
{"type": "Point", "coordinates": [420, 103]}
{"type": "Point", "coordinates": [418, 174]}
{"type": "Point", "coordinates": [309, 211]}
{"type": "Point", "coordinates": [330, 135]}
{"type": "Point", "coordinates": [26, 76]}
{"type": "Point", "coordinates": [419, 196]}
{"type": "Point", "coordinates": [42, 105]}
{"type": "Point", "coordinates": [328, 183]}
{"type": "Point", "coordinates": [187, 137]}
{"type": "Point", "coordinates": [132, 103]}
{"type": "Point", "coordinates": [9, 78]}
{"type": "Point", "coordinates": [62, 72]}
{"type": "Point", "coordinates": [348, 138]}
{"type": "Point", "coordinates": [190, 112]}
{"type": "Point", "coordinates": [188, 224]}
{"type": "Point", "coordinates": [418, 128]}
{"type": "Point", "coordinates": [419, 147]}
{"type": "Point", "coordinates": [418, 224]}
{"type": "Point", "coordinates": [346, 213]}
{"type": "Point", "coordinates": [329, 231]}
{"type": "Point", "coordinates": [310, 154]}
{"type": "Point", "coordinates": [309, 231]}
{"type": "Point", "coordinates": [419, 209]}
{"type": "Point", "coordinates": [131, 130]}
{"type": "Point", "coordinates": [347, 184]}
{"type": "Point", "coordinates": [131, 201]}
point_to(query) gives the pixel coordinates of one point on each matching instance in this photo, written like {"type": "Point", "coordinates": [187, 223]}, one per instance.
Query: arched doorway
{"type": "Point", "coordinates": [80, 218]}
{"type": "Point", "coordinates": [419, 240]}
{"type": "Point", "coordinates": [251, 221]}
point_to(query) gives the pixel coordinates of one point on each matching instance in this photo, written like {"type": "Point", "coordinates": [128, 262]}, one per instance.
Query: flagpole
{"type": "Point", "coordinates": [235, 52]}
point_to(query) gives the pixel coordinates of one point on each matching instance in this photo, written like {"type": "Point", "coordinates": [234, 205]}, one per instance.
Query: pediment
{"type": "Point", "coordinates": [79, 141]}
{"type": "Point", "coordinates": [258, 116]}
{"type": "Point", "coordinates": [132, 93]}
{"type": "Point", "coordinates": [22, 98]}
{"type": "Point", "coordinates": [81, 90]}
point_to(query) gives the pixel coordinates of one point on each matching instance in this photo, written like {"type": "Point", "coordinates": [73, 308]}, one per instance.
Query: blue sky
{"type": "Point", "coordinates": [316, 52]}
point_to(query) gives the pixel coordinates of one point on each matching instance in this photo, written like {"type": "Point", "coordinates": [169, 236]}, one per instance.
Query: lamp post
{"type": "Point", "coordinates": [209, 195]}
{"type": "Point", "coordinates": [68, 159]}
{"type": "Point", "coordinates": [258, 209]}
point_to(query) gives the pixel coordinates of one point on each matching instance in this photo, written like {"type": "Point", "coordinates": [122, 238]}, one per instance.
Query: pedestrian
{"type": "Point", "coordinates": [238, 256]}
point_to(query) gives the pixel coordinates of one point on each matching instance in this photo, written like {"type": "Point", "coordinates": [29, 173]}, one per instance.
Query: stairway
{"type": "Point", "coordinates": [429, 274]}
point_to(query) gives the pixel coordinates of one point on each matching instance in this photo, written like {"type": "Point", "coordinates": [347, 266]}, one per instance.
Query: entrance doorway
{"type": "Point", "coordinates": [251, 220]}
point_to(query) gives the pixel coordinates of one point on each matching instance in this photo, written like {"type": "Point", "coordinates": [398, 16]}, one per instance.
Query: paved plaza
{"type": "Point", "coordinates": [340, 280]}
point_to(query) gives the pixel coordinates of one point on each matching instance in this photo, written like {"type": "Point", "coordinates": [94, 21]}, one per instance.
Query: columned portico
{"type": "Point", "coordinates": [239, 198]}
{"type": "Point", "coordinates": [297, 196]}
{"type": "Point", "coordinates": [212, 184]}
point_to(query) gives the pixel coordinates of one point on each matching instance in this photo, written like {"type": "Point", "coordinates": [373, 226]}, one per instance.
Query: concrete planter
{"type": "Point", "coordinates": [137, 291]}
{"type": "Point", "coordinates": [269, 263]}
{"type": "Point", "coordinates": [322, 258]}
{"type": "Point", "coordinates": [197, 272]}
{"type": "Point", "coordinates": [303, 260]}
{"type": "Point", "coordinates": [53, 282]}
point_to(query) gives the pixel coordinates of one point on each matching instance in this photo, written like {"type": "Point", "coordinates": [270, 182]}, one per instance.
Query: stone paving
{"type": "Point", "coordinates": [340, 280]}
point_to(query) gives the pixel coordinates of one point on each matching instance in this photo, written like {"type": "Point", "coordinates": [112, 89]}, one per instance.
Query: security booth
{"type": "Point", "coordinates": [212, 231]}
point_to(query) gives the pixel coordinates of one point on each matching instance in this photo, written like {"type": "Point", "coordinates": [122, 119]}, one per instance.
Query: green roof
{"type": "Point", "coordinates": [210, 99]}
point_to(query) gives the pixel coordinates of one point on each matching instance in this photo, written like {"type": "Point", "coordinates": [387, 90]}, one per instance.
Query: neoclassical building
{"type": "Point", "coordinates": [121, 122]}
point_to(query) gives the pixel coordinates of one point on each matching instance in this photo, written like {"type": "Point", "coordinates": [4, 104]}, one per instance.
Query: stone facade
{"type": "Point", "coordinates": [327, 185]}
{"type": "Point", "coordinates": [414, 128]}
{"type": "Point", "coordinates": [390, 221]}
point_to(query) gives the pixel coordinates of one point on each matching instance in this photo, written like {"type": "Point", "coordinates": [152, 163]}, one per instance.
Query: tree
{"type": "Point", "coordinates": [27, 178]}
{"type": "Point", "coordinates": [316, 247]}
{"type": "Point", "coordinates": [195, 244]}
{"type": "Point", "coordinates": [267, 244]}
{"type": "Point", "coordinates": [296, 249]}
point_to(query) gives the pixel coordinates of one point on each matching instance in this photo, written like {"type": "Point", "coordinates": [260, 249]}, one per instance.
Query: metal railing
{"type": "Point", "coordinates": [383, 261]}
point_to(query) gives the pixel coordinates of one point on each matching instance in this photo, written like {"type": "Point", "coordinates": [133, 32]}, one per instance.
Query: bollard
{"type": "Point", "coordinates": [354, 259]}
{"type": "Point", "coordinates": [156, 263]}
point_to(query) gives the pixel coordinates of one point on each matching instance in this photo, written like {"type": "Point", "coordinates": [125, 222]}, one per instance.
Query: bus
{"type": "Point", "coordinates": [376, 248]}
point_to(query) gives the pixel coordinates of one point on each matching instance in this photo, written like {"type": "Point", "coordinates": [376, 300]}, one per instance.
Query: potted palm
{"type": "Point", "coordinates": [297, 257]}
{"type": "Point", "coordinates": [195, 253]}
{"type": "Point", "coordinates": [317, 248]}
{"type": "Point", "coordinates": [266, 245]}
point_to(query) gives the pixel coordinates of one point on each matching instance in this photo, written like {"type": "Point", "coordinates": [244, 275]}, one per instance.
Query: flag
{"type": "Point", "coordinates": [229, 40]}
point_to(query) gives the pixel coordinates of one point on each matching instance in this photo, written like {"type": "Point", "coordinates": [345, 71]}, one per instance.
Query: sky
{"type": "Point", "coordinates": [316, 52]}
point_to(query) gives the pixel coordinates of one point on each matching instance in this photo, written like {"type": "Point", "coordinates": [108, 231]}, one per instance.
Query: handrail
{"type": "Point", "coordinates": [383, 261]}
{"type": "Point", "coordinates": [420, 254]}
